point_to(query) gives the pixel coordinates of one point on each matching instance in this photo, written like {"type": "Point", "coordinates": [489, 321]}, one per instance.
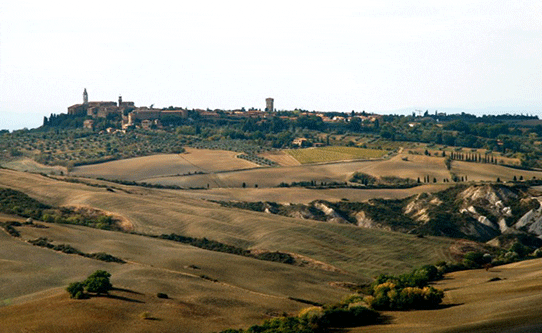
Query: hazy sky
{"type": "Point", "coordinates": [315, 55]}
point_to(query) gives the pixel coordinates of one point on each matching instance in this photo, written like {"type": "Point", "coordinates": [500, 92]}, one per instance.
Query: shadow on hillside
{"type": "Point", "coordinates": [126, 290]}
{"type": "Point", "coordinates": [384, 320]}
{"type": "Point", "coordinates": [446, 278]}
{"type": "Point", "coordinates": [337, 330]}
{"type": "Point", "coordinates": [120, 298]}
{"type": "Point", "coordinates": [446, 306]}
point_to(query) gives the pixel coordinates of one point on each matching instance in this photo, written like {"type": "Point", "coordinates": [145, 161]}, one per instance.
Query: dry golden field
{"type": "Point", "coordinates": [165, 211]}
{"type": "Point", "coordinates": [402, 165]}
{"type": "Point", "coordinates": [490, 172]}
{"type": "Point", "coordinates": [140, 168]}
{"type": "Point", "coordinates": [272, 177]}
{"type": "Point", "coordinates": [212, 169]}
{"type": "Point", "coordinates": [247, 290]}
{"type": "Point", "coordinates": [305, 196]}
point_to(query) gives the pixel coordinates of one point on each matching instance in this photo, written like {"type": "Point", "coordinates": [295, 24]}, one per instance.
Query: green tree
{"type": "Point", "coordinates": [76, 290]}
{"type": "Point", "coordinates": [98, 282]}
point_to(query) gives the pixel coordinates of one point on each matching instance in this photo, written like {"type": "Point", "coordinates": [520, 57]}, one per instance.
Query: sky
{"type": "Point", "coordinates": [378, 56]}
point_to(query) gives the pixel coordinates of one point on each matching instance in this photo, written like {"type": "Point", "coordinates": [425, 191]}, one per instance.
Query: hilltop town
{"type": "Point", "coordinates": [147, 117]}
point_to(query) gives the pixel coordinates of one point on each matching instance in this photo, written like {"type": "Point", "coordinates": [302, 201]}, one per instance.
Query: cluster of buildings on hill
{"type": "Point", "coordinates": [147, 116]}
{"type": "Point", "coordinates": [127, 110]}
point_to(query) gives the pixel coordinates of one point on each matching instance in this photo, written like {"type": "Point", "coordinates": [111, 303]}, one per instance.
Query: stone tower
{"type": "Point", "coordinates": [85, 97]}
{"type": "Point", "coordinates": [120, 101]}
{"type": "Point", "coordinates": [269, 104]}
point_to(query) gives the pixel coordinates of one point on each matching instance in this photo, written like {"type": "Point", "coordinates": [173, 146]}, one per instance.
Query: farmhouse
{"type": "Point", "coordinates": [89, 123]}
{"type": "Point", "coordinates": [300, 142]}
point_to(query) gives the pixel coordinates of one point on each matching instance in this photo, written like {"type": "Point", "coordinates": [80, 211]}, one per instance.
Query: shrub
{"type": "Point", "coordinates": [348, 316]}
{"type": "Point", "coordinates": [104, 257]}
{"type": "Point", "coordinates": [76, 290]}
{"type": "Point", "coordinates": [407, 291]}
{"type": "Point", "coordinates": [520, 249]}
{"type": "Point", "coordinates": [363, 178]}
{"type": "Point", "coordinates": [316, 319]}
{"type": "Point", "coordinates": [388, 296]}
{"type": "Point", "coordinates": [419, 277]}
{"type": "Point", "coordinates": [476, 259]}
{"type": "Point", "coordinates": [8, 226]}
{"type": "Point", "coordinates": [145, 315]}
{"type": "Point", "coordinates": [162, 295]}
{"type": "Point", "coordinates": [284, 258]}
{"type": "Point", "coordinates": [352, 299]}
{"type": "Point", "coordinates": [98, 282]}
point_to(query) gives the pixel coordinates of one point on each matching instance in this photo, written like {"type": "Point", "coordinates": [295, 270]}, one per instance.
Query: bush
{"type": "Point", "coordinates": [407, 291]}
{"type": "Point", "coordinates": [348, 317]}
{"type": "Point", "coordinates": [104, 257]}
{"type": "Point", "coordinates": [76, 290]}
{"type": "Point", "coordinates": [476, 259]}
{"type": "Point", "coordinates": [316, 319]}
{"type": "Point", "coordinates": [145, 315]}
{"type": "Point", "coordinates": [162, 295]}
{"type": "Point", "coordinates": [388, 296]}
{"type": "Point", "coordinates": [419, 277]}
{"type": "Point", "coordinates": [8, 226]}
{"type": "Point", "coordinates": [520, 249]}
{"type": "Point", "coordinates": [363, 178]}
{"type": "Point", "coordinates": [98, 282]}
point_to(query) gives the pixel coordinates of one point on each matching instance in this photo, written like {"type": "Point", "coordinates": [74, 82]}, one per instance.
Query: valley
{"type": "Point", "coordinates": [234, 233]}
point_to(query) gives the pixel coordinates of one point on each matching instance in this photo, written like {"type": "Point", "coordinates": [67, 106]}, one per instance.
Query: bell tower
{"type": "Point", "coordinates": [269, 104]}
{"type": "Point", "coordinates": [85, 97]}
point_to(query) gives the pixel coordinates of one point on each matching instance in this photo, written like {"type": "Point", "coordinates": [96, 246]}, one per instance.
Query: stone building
{"type": "Point", "coordinates": [127, 110]}
{"type": "Point", "coordinates": [99, 109]}
{"type": "Point", "coordinates": [89, 123]}
{"type": "Point", "coordinates": [269, 104]}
